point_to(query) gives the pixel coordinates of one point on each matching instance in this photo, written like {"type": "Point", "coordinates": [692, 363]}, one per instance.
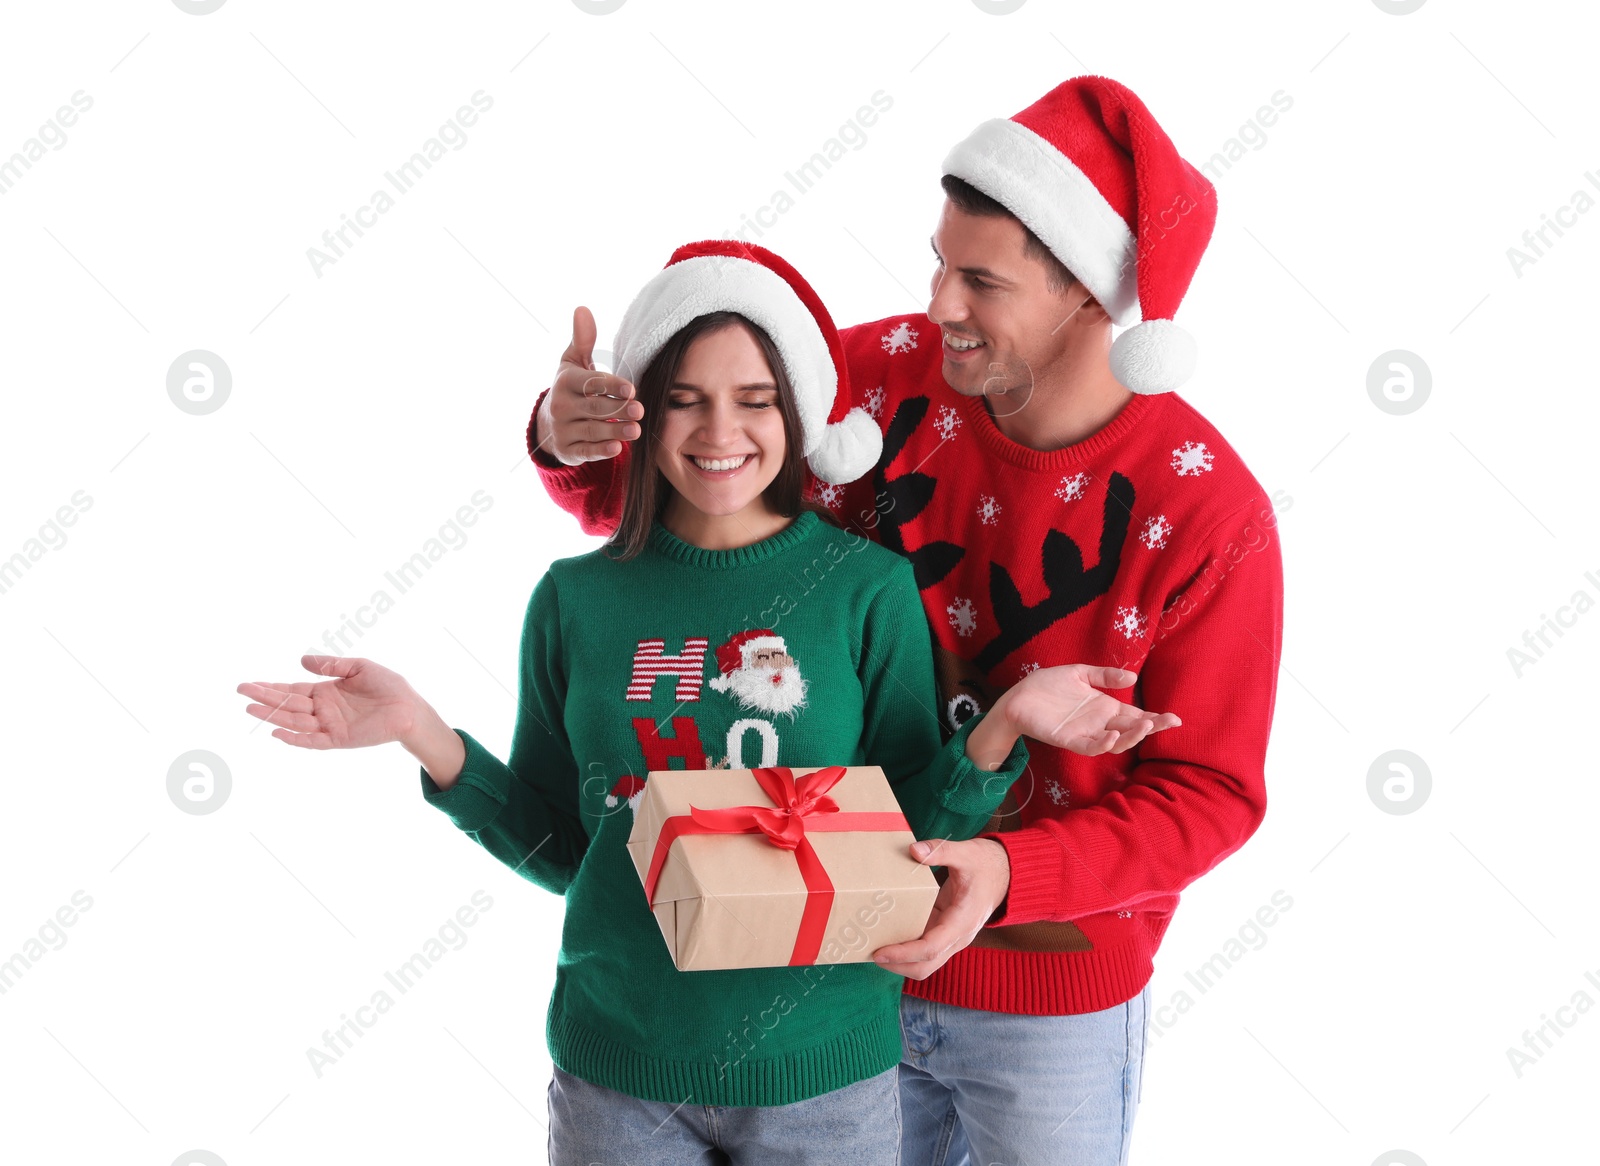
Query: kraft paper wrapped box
{"type": "Point", "coordinates": [755, 868]}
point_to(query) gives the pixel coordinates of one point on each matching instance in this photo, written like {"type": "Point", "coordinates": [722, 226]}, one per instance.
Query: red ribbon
{"type": "Point", "coordinates": [798, 805]}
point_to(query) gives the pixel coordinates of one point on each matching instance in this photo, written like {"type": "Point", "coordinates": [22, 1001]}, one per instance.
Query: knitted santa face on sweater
{"type": "Point", "coordinates": [757, 671]}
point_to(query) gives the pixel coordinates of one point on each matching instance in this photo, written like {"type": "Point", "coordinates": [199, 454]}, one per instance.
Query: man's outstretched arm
{"type": "Point", "coordinates": [1198, 791]}
{"type": "Point", "coordinates": [579, 434]}
{"type": "Point", "coordinates": [589, 491]}
{"type": "Point", "coordinates": [1195, 795]}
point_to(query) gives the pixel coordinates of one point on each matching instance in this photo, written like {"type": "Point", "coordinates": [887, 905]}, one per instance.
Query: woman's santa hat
{"type": "Point", "coordinates": [840, 444]}
{"type": "Point", "coordinates": [1089, 172]}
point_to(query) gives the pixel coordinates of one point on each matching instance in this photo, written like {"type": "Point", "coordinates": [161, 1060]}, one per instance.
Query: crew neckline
{"type": "Point", "coordinates": [1113, 431]}
{"type": "Point", "coordinates": [666, 543]}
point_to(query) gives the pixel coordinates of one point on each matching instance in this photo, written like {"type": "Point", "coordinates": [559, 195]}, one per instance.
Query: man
{"type": "Point", "coordinates": [1060, 503]}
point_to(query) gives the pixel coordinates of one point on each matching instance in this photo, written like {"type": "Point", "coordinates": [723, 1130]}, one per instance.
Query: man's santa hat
{"type": "Point", "coordinates": [840, 444]}
{"type": "Point", "coordinates": [1087, 169]}
{"type": "Point", "coordinates": [736, 653]}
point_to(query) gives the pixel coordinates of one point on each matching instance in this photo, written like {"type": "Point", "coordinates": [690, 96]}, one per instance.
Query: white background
{"type": "Point", "coordinates": [371, 401]}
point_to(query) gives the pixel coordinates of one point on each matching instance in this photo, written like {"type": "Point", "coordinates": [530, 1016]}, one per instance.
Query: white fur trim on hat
{"type": "Point", "coordinates": [759, 644]}
{"type": "Point", "coordinates": [1153, 357]}
{"type": "Point", "coordinates": [849, 448]}
{"type": "Point", "coordinates": [721, 683]}
{"type": "Point", "coordinates": [1058, 202]}
{"type": "Point", "coordinates": [692, 287]}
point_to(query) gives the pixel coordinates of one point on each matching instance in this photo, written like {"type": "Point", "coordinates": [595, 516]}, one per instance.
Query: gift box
{"type": "Point", "coordinates": [756, 868]}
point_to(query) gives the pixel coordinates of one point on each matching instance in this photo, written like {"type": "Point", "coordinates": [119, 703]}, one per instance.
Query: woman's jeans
{"type": "Point", "coordinates": [1019, 1090]}
{"type": "Point", "coordinates": [975, 1086]}
{"type": "Point", "coordinates": [858, 1125]}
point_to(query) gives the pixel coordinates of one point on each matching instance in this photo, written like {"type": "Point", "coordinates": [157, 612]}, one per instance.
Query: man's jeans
{"type": "Point", "coordinates": [858, 1125]}
{"type": "Point", "coordinates": [1019, 1090]}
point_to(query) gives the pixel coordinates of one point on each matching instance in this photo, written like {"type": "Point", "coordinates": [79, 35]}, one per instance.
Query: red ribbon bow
{"type": "Point", "coordinates": [793, 801]}
{"type": "Point", "coordinates": [798, 804]}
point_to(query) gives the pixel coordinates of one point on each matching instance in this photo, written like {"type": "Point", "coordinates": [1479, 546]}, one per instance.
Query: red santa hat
{"type": "Point", "coordinates": [627, 789]}
{"type": "Point", "coordinates": [1089, 172]}
{"type": "Point", "coordinates": [736, 653]}
{"type": "Point", "coordinates": [840, 443]}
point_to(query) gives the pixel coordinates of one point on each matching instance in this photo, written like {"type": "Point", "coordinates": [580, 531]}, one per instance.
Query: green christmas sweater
{"type": "Point", "coordinates": [807, 648]}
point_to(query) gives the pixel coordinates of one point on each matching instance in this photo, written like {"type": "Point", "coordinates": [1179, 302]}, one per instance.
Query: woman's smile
{"type": "Point", "coordinates": [723, 468]}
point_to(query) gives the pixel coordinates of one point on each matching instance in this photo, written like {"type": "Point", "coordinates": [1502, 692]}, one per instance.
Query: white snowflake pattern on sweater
{"type": "Point", "coordinates": [1072, 486]}
{"type": "Point", "coordinates": [988, 510]}
{"type": "Point", "coordinates": [875, 401]}
{"type": "Point", "coordinates": [1156, 532]}
{"type": "Point", "coordinates": [1130, 622]}
{"type": "Point", "coordinates": [963, 616]}
{"type": "Point", "coordinates": [901, 338]}
{"type": "Point", "coordinates": [947, 421]}
{"type": "Point", "coordinates": [1192, 459]}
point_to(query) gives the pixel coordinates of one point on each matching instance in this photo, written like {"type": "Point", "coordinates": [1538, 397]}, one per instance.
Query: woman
{"type": "Point", "coordinates": [818, 655]}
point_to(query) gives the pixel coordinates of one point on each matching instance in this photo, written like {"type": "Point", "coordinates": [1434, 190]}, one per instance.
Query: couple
{"type": "Point", "coordinates": [805, 504]}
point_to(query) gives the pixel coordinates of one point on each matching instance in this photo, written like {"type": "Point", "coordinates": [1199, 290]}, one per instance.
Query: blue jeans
{"type": "Point", "coordinates": [1020, 1090]}
{"type": "Point", "coordinates": [858, 1125]}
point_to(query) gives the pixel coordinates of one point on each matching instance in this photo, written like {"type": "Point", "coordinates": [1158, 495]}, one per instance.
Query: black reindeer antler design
{"type": "Point", "coordinates": [1071, 586]}
{"type": "Point", "coordinates": [903, 498]}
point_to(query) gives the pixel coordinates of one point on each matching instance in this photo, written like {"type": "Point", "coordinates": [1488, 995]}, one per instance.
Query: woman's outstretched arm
{"type": "Point", "coordinates": [524, 811]}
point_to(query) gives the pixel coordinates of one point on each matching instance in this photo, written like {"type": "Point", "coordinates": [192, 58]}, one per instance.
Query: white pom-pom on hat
{"type": "Point", "coordinates": [1153, 357]}
{"type": "Point", "coordinates": [849, 448]}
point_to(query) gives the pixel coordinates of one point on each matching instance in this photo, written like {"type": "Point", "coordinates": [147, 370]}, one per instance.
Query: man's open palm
{"type": "Point", "coordinates": [1063, 706]}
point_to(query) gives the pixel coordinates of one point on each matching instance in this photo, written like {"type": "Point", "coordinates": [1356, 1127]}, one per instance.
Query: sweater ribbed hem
{"type": "Point", "coordinates": [1040, 983]}
{"type": "Point", "coordinates": [854, 1056]}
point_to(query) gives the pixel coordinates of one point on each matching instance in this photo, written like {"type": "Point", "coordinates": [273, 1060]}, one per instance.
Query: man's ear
{"type": "Point", "coordinates": [1089, 309]}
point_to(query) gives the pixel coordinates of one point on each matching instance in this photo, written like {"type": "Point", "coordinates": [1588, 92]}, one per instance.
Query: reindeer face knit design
{"type": "Point", "coordinates": [806, 648]}
{"type": "Point", "coordinates": [1148, 545]}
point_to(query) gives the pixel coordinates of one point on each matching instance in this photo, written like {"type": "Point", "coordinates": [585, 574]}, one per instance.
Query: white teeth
{"type": "Point", "coordinates": [725, 463]}
{"type": "Point", "coordinates": [957, 343]}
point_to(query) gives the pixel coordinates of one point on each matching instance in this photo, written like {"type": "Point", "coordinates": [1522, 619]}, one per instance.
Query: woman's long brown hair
{"type": "Point", "coordinates": [646, 491]}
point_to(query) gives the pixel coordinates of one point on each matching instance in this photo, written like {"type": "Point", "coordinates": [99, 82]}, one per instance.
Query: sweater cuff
{"type": "Point", "coordinates": [540, 458]}
{"type": "Point", "coordinates": [1034, 894]}
{"type": "Point", "coordinates": [478, 794]}
{"type": "Point", "coordinates": [970, 790]}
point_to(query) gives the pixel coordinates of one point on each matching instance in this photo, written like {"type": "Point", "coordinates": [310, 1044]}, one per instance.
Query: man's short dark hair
{"type": "Point", "coordinates": [972, 201]}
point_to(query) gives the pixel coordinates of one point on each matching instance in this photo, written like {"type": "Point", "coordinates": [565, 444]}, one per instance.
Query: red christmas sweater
{"type": "Point", "coordinates": [1148, 545]}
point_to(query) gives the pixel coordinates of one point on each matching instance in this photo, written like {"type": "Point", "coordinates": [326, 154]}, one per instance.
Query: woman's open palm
{"type": "Point", "coordinates": [366, 705]}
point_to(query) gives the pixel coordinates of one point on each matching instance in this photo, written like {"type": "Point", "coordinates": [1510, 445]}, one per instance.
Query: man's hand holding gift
{"type": "Point", "coordinates": [1060, 706]}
